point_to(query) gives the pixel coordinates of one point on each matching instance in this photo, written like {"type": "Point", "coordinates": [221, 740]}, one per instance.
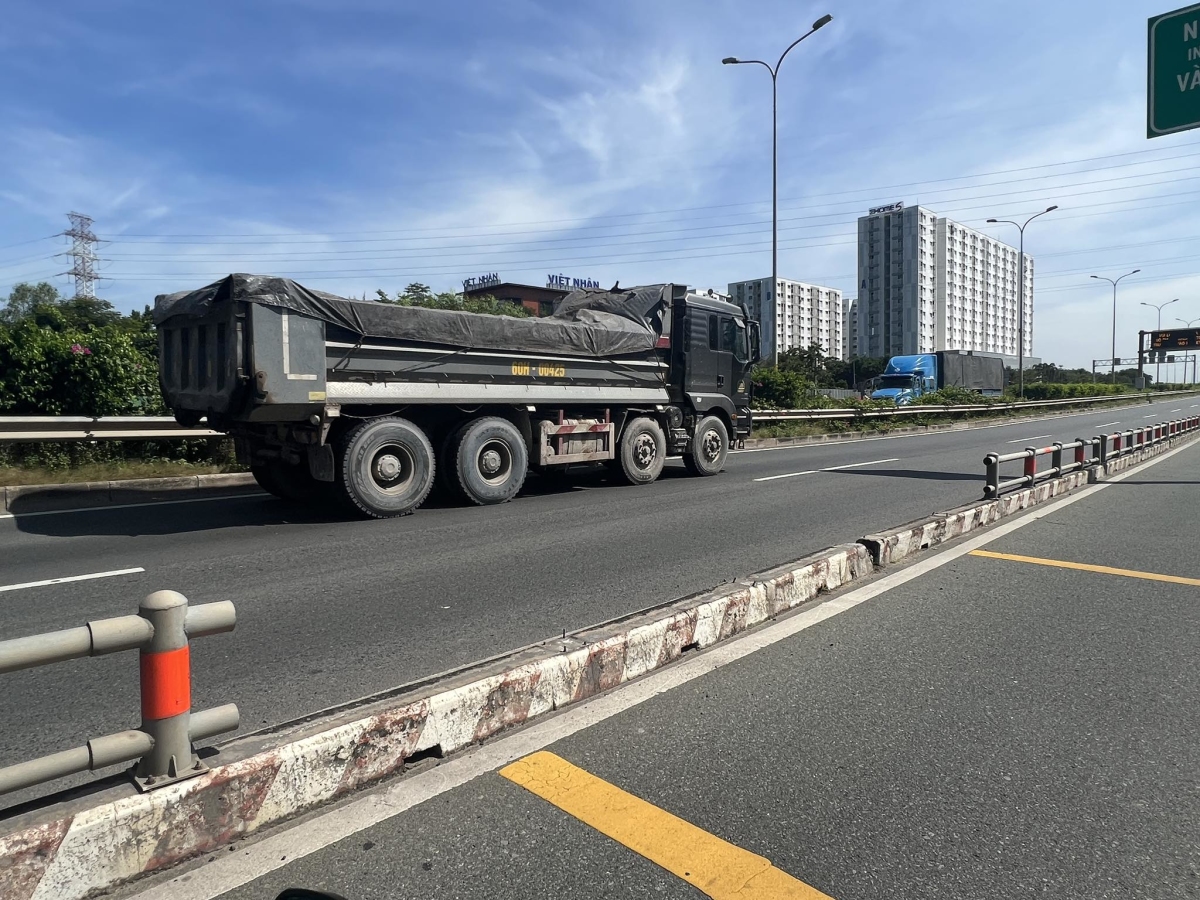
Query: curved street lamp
{"type": "Point", "coordinates": [774, 70]}
{"type": "Point", "coordinates": [1114, 330]}
{"type": "Point", "coordinates": [1021, 293]}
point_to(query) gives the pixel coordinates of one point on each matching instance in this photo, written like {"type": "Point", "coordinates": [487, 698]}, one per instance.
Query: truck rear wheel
{"type": "Point", "coordinates": [492, 460]}
{"type": "Point", "coordinates": [643, 451]}
{"type": "Point", "coordinates": [387, 467]}
{"type": "Point", "coordinates": [709, 447]}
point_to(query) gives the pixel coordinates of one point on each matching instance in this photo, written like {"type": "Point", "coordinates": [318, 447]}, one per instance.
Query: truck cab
{"type": "Point", "coordinates": [907, 378]}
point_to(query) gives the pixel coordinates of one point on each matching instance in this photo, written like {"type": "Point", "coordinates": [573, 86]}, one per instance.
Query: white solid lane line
{"type": "Point", "coordinates": [49, 581]}
{"type": "Point", "coordinates": [1034, 438]}
{"type": "Point", "coordinates": [112, 506]}
{"type": "Point", "coordinates": [873, 462]}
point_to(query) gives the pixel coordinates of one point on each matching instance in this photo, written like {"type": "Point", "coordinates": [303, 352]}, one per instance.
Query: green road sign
{"type": "Point", "coordinates": [1173, 103]}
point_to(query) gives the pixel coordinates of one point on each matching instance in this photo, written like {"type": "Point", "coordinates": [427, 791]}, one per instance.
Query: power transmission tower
{"type": "Point", "coordinates": [83, 255]}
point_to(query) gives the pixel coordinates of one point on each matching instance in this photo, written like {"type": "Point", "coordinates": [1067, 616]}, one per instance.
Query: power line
{"type": "Point", "coordinates": [863, 191]}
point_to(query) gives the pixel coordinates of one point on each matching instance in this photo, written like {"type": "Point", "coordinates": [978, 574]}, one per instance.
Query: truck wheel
{"type": "Point", "coordinates": [492, 460]}
{"type": "Point", "coordinates": [709, 447]}
{"type": "Point", "coordinates": [643, 451]}
{"type": "Point", "coordinates": [386, 467]}
{"type": "Point", "coordinates": [447, 464]}
{"type": "Point", "coordinates": [285, 481]}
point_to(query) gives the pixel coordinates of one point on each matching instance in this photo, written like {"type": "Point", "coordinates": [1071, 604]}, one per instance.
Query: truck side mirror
{"type": "Point", "coordinates": [755, 342]}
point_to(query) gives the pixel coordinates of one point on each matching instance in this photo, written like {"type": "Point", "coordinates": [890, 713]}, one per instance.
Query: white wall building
{"type": "Point", "coordinates": [927, 283]}
{"type": "Point", "coordinates": [977, 292]}
{"type": "Point", "coordinates": [807, 314]}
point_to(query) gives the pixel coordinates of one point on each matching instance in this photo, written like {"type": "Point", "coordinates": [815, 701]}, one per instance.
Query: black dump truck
{"type": "Point", "coordinates": [367, 403]}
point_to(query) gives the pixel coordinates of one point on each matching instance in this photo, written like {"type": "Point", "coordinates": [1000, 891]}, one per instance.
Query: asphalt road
{"type": "Point", "coordinates": [992, 728]}
{"type": "Point", "coordinates": [330, 610]}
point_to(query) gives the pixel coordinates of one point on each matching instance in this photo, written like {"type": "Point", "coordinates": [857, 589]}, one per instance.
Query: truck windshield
{"type": "Point", "coordinates": [896, 381]}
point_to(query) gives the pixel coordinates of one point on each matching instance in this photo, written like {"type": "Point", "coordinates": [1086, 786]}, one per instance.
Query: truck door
{"type": "Point", "coordinates": [702, 342]}
{"type": "Point", "coordinates": [735, 350]}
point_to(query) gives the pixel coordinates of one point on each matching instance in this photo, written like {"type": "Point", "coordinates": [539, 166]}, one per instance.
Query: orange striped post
{"type": "Point", "coordinates": [166, 680]}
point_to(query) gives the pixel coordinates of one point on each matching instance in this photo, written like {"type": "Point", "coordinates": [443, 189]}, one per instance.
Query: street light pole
{"type": "Point", "coordinates": [1114, 328]}
{"type": "Point", "coordinates": [1159, 307]}
{"type": "Point", "coordinates": [1021, 294]}
{"type": "Point", "coordinates": [734, 61]}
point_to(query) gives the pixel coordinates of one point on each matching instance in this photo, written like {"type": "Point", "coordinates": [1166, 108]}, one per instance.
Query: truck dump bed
{"type": "Point", "coordinates": [249, 342]}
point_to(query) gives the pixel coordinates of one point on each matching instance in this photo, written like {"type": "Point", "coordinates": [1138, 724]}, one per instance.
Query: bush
{"type": "Point", "coordinates": [1048, 391]}
{"type": "Point", "coordinates": [956, 396]}
{"type": "Point", "coordinates": [781, 389]}
{"type": "Point", "coordinates": [72, 372]}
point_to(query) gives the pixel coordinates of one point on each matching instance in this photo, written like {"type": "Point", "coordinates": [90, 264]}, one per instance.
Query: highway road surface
{"type": "Point", "coordinates": [1017, 719]}
{"type": "Point", "coordinates": [332, 609]}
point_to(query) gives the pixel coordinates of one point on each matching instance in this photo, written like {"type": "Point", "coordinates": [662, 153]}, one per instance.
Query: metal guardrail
{"type": "Point", "coordinates": [141, 428]}
{"type": "Point", "coordinates": [163, 745]}
{"type": "Point", "coordinates": [102, 428]}
{"type": "Point", "coordinates": [1087, 453]}
{"type": "Point", "coordinates": [800, 415]}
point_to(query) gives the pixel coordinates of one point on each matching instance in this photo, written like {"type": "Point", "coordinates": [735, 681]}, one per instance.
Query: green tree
{"type": "Point", "coordinates": [25, 298]}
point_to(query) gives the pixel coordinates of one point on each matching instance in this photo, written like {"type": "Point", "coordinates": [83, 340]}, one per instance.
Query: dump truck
{"type": "Point", "coordinates": [907, 378]}
{"type": "Point", "coordinates": [366, 403]}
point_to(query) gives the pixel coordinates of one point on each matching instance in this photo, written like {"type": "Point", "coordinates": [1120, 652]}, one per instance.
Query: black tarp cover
{"type": "Point", "coordinates": [585, 323]}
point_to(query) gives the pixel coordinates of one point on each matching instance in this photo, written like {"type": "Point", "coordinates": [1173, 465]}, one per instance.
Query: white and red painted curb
{"type": "Point", "coordinates": [65, 857]}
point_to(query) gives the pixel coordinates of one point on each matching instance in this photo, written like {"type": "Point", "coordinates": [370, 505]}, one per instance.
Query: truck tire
{"type": "Point", "coordinates": [386, 467]}
{"type": "Point", "coordinates": [491, 460]}
{"type": "Point", "coordinates": [447, 465]}
{"type": "Point", "coordinates": [709, 447]}
{"type": "Point", "coordinates": [643, 451]}
{"type": "Point", "coordinates": [285, 481]}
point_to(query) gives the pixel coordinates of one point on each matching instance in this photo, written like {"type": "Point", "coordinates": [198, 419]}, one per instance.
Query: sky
{"type": "Point", "coordinates": [358, 145]}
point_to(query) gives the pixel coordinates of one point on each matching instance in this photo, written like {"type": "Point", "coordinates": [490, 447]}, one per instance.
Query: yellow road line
{"type": "Point", "coordinates": [716, 867]}
{"type": "Point", "coordinates": [1084, 567]}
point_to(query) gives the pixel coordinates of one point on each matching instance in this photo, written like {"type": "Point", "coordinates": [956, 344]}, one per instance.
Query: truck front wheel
{"type": "Point", "coordinates": [492, 460]}
{"type": "Point", "coordinates": [643, 451]}
{"type": "Point", "coordinates": [386, 468]}
{"type": "Point", "coordinates": [709, 447]}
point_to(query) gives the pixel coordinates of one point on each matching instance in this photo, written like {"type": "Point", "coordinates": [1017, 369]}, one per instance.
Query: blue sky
{"type": "Point", "coordinates": [364, 144]}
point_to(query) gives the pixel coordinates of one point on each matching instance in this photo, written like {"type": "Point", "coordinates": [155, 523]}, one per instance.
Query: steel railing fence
{"type": "Point", "coordinates": [161, 632]}
{"type": "Point", "coordinates": [140, 428]}
{"type": "Point", "coordinates": [1085, 453]}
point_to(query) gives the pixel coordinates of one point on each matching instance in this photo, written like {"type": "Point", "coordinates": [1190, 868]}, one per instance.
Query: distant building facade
{"type": "Point", "coordinates": [798, 314]}
{"type": "Point", "coordinates": [927, 283]}
{"type": "Point", "coordinates": [849, 327]}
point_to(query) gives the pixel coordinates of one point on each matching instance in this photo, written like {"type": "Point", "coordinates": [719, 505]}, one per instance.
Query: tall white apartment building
{"type": "Point", "coordinates": [805, 314]}
{"type": "Point", "coordinates": [927, 283]}
{"type": "Point", "coordinates": [978, 292]}
{"type": "Point", "coordinates": [897, 281]}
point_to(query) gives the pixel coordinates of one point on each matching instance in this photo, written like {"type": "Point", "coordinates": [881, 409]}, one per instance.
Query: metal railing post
{"type": "Point", "coordinates": [1056, 457]}
{"type": "Point", "coordinates": [1082, 453]}
{"type": "Point", "coordinates": [1103, 439]}
{"type": "Point", "coordinates": [991, 485]}
{"type": "Point", "coordinates": [166, 682]}
{"type": "Point", "coordinates": [1030, 470]}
